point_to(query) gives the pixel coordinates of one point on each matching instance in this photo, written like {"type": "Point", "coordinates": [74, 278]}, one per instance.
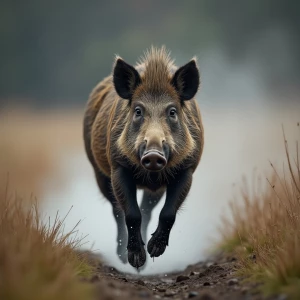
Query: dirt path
{"type": "Point", "coordinates": [204, 280]}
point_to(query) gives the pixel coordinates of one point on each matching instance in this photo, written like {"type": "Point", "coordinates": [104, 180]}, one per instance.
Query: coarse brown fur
{"type": "Point", "coordinates": [112, 139]}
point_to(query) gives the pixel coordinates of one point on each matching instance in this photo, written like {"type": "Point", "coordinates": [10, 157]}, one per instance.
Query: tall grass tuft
{"type": "Point", "coordinates": [264, 230]}
{"type": "Point", "coordinates": [38, 261]}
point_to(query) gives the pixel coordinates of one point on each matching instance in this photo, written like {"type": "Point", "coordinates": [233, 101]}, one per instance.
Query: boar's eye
{"type": "Point", "coordinates": [138, 115]}
{"type": "Point", "coordinates": [138, 112]}
{"type": "Point", "coordinates": [173, 113]}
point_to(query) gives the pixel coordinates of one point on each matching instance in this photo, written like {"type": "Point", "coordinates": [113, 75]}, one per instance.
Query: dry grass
{"type": "Point", "coordinates": [265, 228]}
{"type": "Point", "coordinates": [38, 261]}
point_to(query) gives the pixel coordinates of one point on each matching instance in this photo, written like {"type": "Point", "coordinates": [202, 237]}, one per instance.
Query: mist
{"type": "Point", "coordinates": [54, 53]}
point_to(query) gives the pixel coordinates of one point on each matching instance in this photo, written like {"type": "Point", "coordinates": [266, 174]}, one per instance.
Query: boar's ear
{"type": "Point", "coordinates": [126, 78]}
{"type": "Point", "coordinates": [186, 80]}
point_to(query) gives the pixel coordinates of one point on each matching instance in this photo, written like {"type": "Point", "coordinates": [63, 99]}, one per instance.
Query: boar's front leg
{"type": "Point", "coordinates": [177, 191]}
{"type": "Point", "coordinates": [124, 188]}
{"type": "Point", "coordinates": [149, 201]}
{"type": "Point", "coordinates": [104, 184]}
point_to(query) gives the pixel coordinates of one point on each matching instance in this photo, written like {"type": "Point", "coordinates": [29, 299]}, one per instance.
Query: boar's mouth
{"type": "Point", "coordinates": [153, 160]}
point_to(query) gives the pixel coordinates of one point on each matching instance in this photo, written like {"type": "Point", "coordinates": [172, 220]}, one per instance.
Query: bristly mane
{"type": "Point", "coordinates": [156, 68]}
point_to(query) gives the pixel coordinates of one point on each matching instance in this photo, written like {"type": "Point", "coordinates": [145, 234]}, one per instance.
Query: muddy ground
{"type": "Point", "coordinates": [215, 279]}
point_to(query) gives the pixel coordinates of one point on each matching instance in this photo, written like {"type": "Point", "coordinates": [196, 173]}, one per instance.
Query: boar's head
{"type": "Point", "coordinates": [158, 131]}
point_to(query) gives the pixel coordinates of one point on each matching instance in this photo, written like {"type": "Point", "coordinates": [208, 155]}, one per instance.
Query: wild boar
{"type": "Point", "coordinates": [143, 130]}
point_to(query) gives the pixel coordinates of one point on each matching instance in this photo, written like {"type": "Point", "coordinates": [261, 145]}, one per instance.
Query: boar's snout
{"type": "Point", "coordinates": [153, 160]}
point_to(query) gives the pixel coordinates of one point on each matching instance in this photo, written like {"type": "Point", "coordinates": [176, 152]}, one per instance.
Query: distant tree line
{"type": "Point", "coordinates": [53, 52]}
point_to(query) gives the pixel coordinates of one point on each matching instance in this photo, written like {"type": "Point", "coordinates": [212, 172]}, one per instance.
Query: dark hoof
{"type": "Point", "coordinates": [157, 244]}
{"type": "Point", "coordinates": [137, 259]}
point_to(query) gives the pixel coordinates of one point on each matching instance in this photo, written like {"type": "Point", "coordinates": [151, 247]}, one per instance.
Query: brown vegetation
{"type": "Point", "coordinates": [265, 229]}
{"type": "Point", "coordinates": [38, 260]}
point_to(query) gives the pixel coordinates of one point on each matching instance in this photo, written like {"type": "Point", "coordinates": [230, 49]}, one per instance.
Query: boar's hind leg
{"type": "Point", "coordinates": [177, 191]}
{"type": "Point", "coordinates": [104, 184]}
{"type": "Point", "coordinates": [124, 188]}
{"type": "Point", "coordinates": [149, 201]}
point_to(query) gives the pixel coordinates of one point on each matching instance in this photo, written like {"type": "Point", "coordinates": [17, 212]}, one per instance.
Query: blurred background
{"type": "Point", "coordinates": [54, 52]}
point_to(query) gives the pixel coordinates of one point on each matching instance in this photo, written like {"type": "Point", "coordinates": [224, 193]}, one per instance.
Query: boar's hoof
{"type": "Point", "coordinates": [137, 259]}
{"type": "Point", "coordinates": [157, 244]}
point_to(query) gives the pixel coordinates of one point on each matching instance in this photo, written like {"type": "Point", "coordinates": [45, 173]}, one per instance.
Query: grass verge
{"type": "Point", "coordinates": [38, 261]}
{"type": "Point", "coordinates": [264, 229]}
